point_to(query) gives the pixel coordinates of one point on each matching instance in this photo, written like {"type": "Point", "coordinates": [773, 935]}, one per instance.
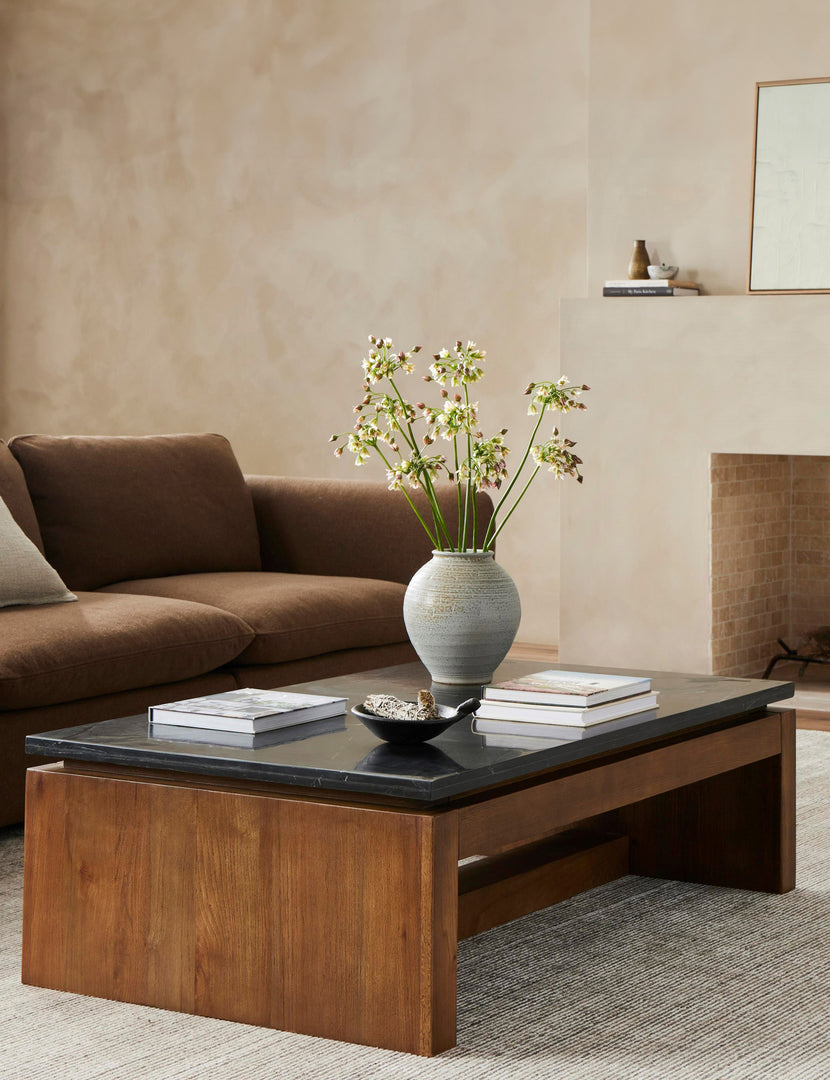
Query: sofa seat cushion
{"type": "Point", "coordinates": [124, 506]}
{"type": "Point", "coordinates": [293, 615]}
{"type": "Point", "coordinates": [108, 643]}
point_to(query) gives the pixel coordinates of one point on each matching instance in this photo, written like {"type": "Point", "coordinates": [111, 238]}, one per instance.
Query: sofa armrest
{"type": "Point", "coordinates": [348, 528]}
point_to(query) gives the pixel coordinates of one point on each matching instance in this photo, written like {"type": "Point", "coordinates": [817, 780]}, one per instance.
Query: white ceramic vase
{"type": "Point", "coordinates": [462, 612]}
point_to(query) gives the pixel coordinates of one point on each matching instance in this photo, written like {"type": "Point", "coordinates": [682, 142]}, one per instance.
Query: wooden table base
{"type": "Point", "coordinates": [341, 920]}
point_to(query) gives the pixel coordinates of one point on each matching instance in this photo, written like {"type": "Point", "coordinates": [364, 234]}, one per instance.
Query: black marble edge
{"type": "Point", "coordinates": [236, 769]}
{"type": "Point", "coordinates": [429, 791]}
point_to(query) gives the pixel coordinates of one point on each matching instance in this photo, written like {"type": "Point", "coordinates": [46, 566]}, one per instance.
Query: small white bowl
{"type": "Point", "coordinates": [662, 271]}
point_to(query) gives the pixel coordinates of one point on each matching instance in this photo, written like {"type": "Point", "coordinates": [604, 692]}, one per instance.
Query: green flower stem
{"type": "Point", "coordinates": [462, 540]}
{"type": "Point", "coordinates": [408, 434]}
{"type": "Point", "coordinates": [512, 484]}
{"type": "Point", "coordinates": [492, 539]}
{"type": "Point", "coordinates": [475, 507]}
{"type": "Point", "coordinates": [461, 537]}
{"type": "Point", "coordinates": [410, 438]}
{"type": "Point", "coordinates": [467, 488]}
{"type": "Point", "coordinates": [440, 523]}
{"type": "Point", "coordinates": [412, 442]}
{"type": "Point", "coordinates": [405, 494]}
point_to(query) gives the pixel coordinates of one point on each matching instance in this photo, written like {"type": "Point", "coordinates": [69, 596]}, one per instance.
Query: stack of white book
{"type": "Point", "coordinates": [535, 710]}
{"type": "Point", "coordinates": [246, 717]}
{"type": "Point", "coordinates": [651, 287]}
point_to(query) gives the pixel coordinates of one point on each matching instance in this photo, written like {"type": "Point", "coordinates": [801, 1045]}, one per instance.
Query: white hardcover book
{"type": "Point", "coordinates": [540, 736]}
{"type": "Point", "coordinates": [651, 283]}
{"type": "Point", "coordinates": [578, 688]}
{"type": "Point", "coordinates": [529, 712]}
{"type": "Point", "coordinates": [246, 710]}
{"type": "Point", "coordinates": [245, 740]}
{"type": "Point", "coordinates": [521, 742]}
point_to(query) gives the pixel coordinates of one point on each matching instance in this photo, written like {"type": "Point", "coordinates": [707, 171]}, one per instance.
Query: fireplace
{"type": "Point", "coordinates": [770, 559]}
{"type": "Point", "coordinates": [673, 384]}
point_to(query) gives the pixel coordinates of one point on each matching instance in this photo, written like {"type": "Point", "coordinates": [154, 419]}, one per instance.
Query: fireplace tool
{"type": "Point", "coordinates": [814, 649]}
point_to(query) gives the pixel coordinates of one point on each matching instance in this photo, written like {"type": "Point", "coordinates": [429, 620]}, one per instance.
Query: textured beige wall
{"type": "Point", "coordinates": [209, 205]}
{"type": "Point", "coordinates": [671, 124]}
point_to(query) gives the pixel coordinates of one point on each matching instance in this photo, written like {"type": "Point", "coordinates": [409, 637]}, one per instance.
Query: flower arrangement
{"type": "Point", "coordinates": [402, 435]}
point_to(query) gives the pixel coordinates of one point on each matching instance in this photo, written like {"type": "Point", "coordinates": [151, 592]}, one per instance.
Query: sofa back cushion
{"type": "Point", "coordinates": [116, 508]}
{"type": "Point", "coordinates": [15, 495]}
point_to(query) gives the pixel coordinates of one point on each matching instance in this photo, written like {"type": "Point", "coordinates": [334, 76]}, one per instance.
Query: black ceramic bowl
{"type": "Point", "coordinates": [403, 732]}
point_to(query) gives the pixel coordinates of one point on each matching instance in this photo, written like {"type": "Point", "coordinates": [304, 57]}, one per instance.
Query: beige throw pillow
{"type": "Point", "coordinates": [25, 576]}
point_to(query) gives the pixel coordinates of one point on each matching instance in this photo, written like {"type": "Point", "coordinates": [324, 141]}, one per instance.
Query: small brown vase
{"type": "Point", "coordinates": [638, 267]}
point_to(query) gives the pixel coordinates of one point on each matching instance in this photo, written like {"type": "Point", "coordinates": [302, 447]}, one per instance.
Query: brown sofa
{"type": "Point", "coordinates": [191, 579]}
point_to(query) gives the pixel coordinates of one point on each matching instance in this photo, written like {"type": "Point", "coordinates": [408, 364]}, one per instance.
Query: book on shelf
{"type": "Point", "coordinates": [248, 740]}
{"type": "Point", "coordinates": [647, 290]}
{"type": "Point", "coordinates": [541, 736]}
{"type": "Point", "coordinates": [577, 688]}
{"type": "Point", "coordinates": [574, 715]}
{"type": "Point", "coordinates": [246, 710]}
{"type": "Point", "coordinates": [651, 283]}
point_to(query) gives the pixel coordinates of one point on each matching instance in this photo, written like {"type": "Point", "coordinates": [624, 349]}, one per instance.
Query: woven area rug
{"type": "Point", "coordinates": [637, 980]}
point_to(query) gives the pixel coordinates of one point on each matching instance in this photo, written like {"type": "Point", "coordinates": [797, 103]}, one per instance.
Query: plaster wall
{"type": "Point", "coordinates": [674, 383]}
{"type": "Point", "coordinates": [671, 127]}
{"type": "Point", "coordinates": [208, 206]}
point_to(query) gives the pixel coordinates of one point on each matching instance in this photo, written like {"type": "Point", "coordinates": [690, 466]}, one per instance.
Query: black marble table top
{"type": "Point", "coordinates": [353, 759]}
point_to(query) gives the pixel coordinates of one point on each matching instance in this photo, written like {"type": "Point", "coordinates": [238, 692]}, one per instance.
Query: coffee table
{"type": "Point", "coordinates": [321, 885]}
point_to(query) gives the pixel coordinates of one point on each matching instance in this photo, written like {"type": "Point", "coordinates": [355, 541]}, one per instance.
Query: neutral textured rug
{"type": "Point", "coordinates": [637, 980]}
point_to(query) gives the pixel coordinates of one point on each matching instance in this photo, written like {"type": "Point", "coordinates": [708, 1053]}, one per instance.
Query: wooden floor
{"type": "Point", "coordinates": [545, 654]}
{"type": "Point", "coordinates": [549, 654]}
{"type": "Point", "coordinates": [812, 721]}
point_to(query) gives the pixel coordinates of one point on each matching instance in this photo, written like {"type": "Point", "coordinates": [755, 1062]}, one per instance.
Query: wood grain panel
{"type": "Point", "coordinates": [509, 886]}
{"type": "Point", "coordinates": [313, 917]}
{"type": "Point", "coordinates": [439, 932]}
{"type": "Point", "coordinates": [786, 802]}
{"type": "Point", "coordinates": [165, 919]}
{"type": "Point", "coordinates": [736, 829]}
{"type": "Point", "coordinates": [43, 881]}
{"type": "Point", "coordinates": [101, 914]}
{"type": "Point", "coordinates": [265, 788]}
{"type": "Point", "coordinates": [236, 966]}
{"type": "Point", "coordinates": [369, 926]}
{"type": "Point", "coordinates": [535, 812]}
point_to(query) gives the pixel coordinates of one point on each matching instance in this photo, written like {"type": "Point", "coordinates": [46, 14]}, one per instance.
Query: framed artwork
{"type": "Point", "coordinates": [790, 236]}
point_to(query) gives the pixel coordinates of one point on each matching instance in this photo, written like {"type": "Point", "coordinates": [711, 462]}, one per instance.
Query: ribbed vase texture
{"type": "Point", "coordinates": [462, 612]}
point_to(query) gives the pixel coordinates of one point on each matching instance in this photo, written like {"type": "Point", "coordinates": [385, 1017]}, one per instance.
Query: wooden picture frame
{"type": "Point", "coordinates": [789, 234]}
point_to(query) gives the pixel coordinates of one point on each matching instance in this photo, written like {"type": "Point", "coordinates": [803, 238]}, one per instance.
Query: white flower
{"type": "Point", "coordinates": [392, 427]}
{"type": "Point", "coordinates": [556, 454]}
{"type": "Point", "coordinates": [382, 362]}
{"type": "Point", "coordinates": [556, 396]}
{"type": "Point", "coordinates": [487, 467]}
{"type": "Point", "coordinates": [454, 419]}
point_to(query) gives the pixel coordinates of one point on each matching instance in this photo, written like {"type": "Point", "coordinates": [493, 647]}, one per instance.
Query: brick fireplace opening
{"type": "Point", "coordinates": [770, 568]}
